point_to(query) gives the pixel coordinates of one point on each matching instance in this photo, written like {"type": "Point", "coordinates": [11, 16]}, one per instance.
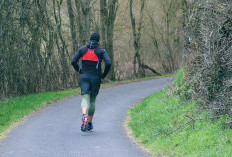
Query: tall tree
{"type": "Point", "coordinates": [164, 27]}
{"type": "Point", "coordinates": [137, 44]}
{"type": "Point", "coordinates": [72, 25]}
{"type": "Point", "coordinates": [79, 22]}
{"type": "Point", "coordinates": [103, 17]}
{"type": "Point", "coordinates": [137, 36]}
{"type": "Point", "coordinates": [108, 11]}
{"type": "Point", "coordinates": [85, 5]}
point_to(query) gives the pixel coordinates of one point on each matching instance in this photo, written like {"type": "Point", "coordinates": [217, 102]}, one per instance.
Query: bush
{"type": "Point", "coordinates": [181, 87]}
{"type": "Point", "coordinates": [208, 52]}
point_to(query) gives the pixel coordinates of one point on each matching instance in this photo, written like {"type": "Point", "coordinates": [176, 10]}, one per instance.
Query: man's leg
{"type": "Point", "coordinates": [91, 107]}
{"type": "Point", "coordinates": [85, 105]}
{"type": "Point", "coordinates": [91, 111]}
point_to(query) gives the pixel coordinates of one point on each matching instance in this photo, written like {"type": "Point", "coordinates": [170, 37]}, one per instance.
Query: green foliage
{"type": "Point", "coordinates": [170, 124]}
{"type": "Point", "coordinates": [159, 120]}
{"type": "Point", "coordinates": [181, 87]}
{"type": "Point", "coordinates": [16, 108]}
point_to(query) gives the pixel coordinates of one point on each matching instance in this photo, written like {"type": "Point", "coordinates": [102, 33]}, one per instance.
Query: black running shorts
{"type": "Point", "coordinates": [90, 84]}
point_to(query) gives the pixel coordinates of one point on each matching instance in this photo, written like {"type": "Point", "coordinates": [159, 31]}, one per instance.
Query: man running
{"type": "Point", "coordinates": [90, 69]}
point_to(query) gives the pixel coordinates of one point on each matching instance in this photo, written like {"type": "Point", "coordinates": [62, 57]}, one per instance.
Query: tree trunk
{"type": "Point", "coordinates": [103, 18]}
{"type": "Point", "coordinates": [151, 69]}
{"type": "Point", "coordinates": [85, 9]}
{"type": "Point", "coordinates": [110, 50]}
{"type": "Point", "coordinates": [137, 36]}
{"type": "Point", "coordinates": [108, 15]}
{"type": "Point", "coordinates": [72, 25]}
{"type": "Point", "coordinates": [79, 23]}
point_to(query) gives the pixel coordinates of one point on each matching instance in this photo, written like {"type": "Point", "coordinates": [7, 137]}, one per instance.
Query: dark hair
{"type": "Point", "coordinates": [95, 36]}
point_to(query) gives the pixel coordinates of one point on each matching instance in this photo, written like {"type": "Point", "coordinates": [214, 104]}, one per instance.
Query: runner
{"type": "Point", "coordinates": [90, 69]}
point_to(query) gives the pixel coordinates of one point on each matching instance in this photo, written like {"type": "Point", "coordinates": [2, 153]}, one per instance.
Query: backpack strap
{"type": "Point", "coordinates": [80, 66]}
{"type": "Point", "coordinates": [99, 60]}
{"type": "Point", "coordinates": [98, 63]}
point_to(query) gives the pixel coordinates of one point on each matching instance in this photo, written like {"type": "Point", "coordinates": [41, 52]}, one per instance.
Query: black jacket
{"type": "Point", "coordinates": [89, 67]}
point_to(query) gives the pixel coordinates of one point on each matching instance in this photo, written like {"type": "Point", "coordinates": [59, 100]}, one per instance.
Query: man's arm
{"type": "Point", "coordinates": [107, 61]}
{"type": "Point", "coordinates": [75, 59]}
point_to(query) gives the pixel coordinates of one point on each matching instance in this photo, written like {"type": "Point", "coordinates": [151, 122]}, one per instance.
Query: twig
{"type": "Point", "coordinates": [191, 121]}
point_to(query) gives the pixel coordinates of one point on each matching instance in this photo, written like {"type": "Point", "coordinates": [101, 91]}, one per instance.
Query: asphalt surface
{"type": "Point", "coordinates": [55, 130]}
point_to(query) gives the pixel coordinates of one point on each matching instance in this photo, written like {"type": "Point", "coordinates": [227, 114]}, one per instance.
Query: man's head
{"type": "Point", "coordinates": [95, 36]}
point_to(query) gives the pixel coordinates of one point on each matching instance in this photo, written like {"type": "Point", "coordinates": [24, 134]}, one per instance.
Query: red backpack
{"type": "Point", "coordinates": [90, 56]}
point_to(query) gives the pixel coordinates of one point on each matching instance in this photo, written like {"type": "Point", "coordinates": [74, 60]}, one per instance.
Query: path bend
{"type": "Point", "coordinates": [55, 130]}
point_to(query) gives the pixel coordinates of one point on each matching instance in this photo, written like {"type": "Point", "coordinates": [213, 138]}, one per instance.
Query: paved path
{"type": "Point", "coordinates": [55, 130]}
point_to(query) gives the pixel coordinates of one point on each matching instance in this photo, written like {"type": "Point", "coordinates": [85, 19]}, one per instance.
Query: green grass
{"type": "Point", "coordinates": [14, 109]}
{"type": "Point", "coordinates": [158, 115]}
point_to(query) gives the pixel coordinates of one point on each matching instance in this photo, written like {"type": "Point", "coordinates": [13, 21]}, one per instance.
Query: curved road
{"type": "Point", "coordinates": [55, 130]}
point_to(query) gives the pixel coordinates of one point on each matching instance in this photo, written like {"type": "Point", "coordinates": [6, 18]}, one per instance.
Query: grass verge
{"type": "Point", "coordinates": [14, 109]}
{"type": "Point", "coordinates": [158, 122]}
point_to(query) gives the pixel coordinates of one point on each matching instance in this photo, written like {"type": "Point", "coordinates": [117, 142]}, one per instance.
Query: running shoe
{"type": "Point", "coordinates": [90, 126]}
{"type": "Point", "coordinates": [84, 125]}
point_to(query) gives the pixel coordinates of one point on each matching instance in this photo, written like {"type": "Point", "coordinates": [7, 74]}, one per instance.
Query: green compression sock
{"type": "Point", "coordinates": [92, 105]}
{"type": "Point", "coordinates": [85, 101]}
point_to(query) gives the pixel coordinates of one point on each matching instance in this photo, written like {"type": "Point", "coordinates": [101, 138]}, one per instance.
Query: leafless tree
{"type": "Point", "coordinates": [137, 44]}
{"type": "Point", "coordinates": [72, 25]}
{"type": "Point", "coordinates": [165, 29]}
{"type": "Point", "coordinates": [108, 12]}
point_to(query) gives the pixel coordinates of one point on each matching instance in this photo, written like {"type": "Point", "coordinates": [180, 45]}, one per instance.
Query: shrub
{"type": "Point", "coordinates": [208, 53]}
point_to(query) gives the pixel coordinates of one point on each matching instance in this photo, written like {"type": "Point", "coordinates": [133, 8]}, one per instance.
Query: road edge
{"type": "Point", "coordinates": [129, 134]}
{"type": "Point", "coordinates": [19, 122]}
{"type": "Point", "coordinates": [129, 131]}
